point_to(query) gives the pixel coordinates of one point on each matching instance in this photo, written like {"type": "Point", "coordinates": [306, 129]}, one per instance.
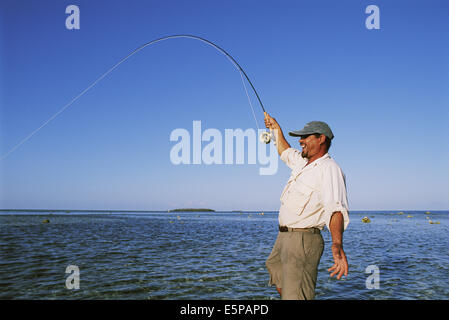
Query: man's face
{"type": "Point", "coordinates": [310, 145]}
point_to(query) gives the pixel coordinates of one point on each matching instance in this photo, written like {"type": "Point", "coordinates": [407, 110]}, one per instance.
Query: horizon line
{"type": "Point", "coordinates": [193, 210]}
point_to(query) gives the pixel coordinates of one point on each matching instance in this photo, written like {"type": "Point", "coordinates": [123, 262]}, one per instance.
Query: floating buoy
{"type": "Point", "coordinates": [46, 221]}
{"type": "Point", "coordinates": [409, 216]}
{"type": "Point", "coordinates": [427, 212]}
{"type": "Point", "coordinates": [366, 220]}
{"type": "Point", "coordinates": [434, 222]}
{"type": "Point", "coordinates": [401, 212]}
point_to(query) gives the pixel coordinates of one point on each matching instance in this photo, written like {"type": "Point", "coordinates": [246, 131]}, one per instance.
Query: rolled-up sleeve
{"type": "Point", "coordinates": [334, 194]}
{"type": "Point", "coordinates": [292, 157]}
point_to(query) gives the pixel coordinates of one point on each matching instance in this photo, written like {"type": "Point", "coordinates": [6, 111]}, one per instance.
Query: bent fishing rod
{"type": "Point", "coordinates": [265, 137]}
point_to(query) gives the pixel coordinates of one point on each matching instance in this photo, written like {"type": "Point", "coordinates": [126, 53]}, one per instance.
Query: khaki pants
{"type": "Point", "coordinates": [293, 264]}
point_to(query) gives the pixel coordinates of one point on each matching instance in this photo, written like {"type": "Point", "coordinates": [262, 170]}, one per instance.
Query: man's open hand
{"type": "Point", "coordinates": [340, 266]}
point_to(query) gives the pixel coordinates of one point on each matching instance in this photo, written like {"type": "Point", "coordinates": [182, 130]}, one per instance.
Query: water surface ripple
{"type": "Point", "coordinates": [200, 255]}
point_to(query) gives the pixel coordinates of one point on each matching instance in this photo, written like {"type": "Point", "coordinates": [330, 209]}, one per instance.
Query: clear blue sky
{"type": "Point", "coordinates": [383, 92]}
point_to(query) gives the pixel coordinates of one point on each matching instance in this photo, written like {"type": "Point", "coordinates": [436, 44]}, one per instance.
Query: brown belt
{"type": "Point", "coordinates": [287, 229]}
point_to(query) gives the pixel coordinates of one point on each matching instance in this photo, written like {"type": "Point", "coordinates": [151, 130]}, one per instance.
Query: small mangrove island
{"type": "Point", "coordinates": [192, 210]}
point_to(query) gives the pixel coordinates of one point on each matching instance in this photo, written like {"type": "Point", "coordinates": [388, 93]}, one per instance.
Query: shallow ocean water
{"type": "Point", "coordinates": [217, 255]}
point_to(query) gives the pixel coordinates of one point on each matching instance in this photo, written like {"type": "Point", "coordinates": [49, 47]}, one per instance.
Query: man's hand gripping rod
{"type": "Point", "coordinates": [266, 136]}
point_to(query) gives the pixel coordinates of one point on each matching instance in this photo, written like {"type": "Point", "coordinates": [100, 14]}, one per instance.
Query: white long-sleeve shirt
{"type": "Point", "coordinates": [313, 192]}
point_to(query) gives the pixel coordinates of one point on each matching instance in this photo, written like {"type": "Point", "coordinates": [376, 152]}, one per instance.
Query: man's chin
{"type": "Point", "coordinates": [304, 155]}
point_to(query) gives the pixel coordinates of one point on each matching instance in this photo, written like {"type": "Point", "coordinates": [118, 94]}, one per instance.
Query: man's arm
{"type": "Point", "coordinates": [272, 124]}
{"type": "Point", "coordinates": [336, 228]}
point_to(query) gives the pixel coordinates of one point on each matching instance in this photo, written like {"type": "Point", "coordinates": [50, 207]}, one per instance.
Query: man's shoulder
{"type": "Point", "coordinates": [330, 163]}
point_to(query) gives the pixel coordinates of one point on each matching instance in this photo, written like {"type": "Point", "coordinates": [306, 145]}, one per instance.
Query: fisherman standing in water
{"type": "Point", "coordinates": [314, 197]}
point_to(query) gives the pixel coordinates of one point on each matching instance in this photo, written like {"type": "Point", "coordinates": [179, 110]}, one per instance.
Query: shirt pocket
{"type": "Point", "coordinates": [294, 175]}
{"type": "Point", "coordinates": [297, 197]}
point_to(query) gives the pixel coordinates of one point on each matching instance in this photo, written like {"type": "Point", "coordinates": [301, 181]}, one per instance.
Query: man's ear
{"type": "Point", "coordinates": [322, 139]}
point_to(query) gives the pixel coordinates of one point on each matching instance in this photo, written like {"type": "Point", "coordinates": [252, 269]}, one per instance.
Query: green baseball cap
{"type": "Point", "coordinates": [314, 127]}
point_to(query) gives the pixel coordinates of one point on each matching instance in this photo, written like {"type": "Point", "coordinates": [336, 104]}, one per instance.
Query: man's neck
{"type": "Point", "coordinates": [316, 157]}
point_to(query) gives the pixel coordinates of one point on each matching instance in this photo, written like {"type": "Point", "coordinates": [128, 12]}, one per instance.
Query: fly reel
{"type": "Point", "coordinates": [267, 137]}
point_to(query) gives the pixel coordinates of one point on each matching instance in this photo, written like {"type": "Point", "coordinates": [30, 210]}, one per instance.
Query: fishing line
{"type": "Point", "coordinates": [265, 137]}
{"type": "Point", "coordinates": [249, 100]}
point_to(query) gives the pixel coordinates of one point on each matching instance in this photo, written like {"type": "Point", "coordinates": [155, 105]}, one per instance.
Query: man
{"type": "Point", "coordinates": [314, 197]}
